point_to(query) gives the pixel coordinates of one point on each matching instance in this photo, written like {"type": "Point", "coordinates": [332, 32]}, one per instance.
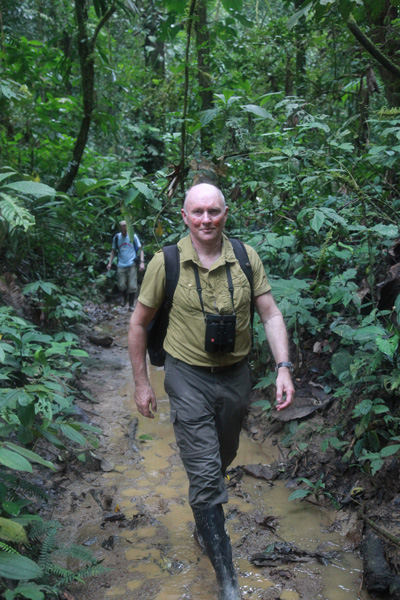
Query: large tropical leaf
{"type": "Point", "coordinates": [32, 188]}
{"type": "Point", "coordinates": [15, 566]}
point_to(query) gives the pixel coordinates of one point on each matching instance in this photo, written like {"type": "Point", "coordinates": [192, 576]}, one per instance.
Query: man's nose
{"type": "Point", "coordinates": [206, 217]}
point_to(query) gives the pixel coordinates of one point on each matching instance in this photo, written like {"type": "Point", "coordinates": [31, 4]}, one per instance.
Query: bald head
{"type": "Point", "coordinates": [203, 190]}
{"type": "Point", "coordinates": [205, 212]}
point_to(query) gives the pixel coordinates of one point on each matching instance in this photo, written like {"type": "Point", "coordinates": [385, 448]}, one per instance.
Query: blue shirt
{"type": "Point", "coordinates": [127, 251]}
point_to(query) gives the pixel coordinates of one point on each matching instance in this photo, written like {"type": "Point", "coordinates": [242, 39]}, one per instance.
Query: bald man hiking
{"type": "Point", "coordinates": [207, 373]}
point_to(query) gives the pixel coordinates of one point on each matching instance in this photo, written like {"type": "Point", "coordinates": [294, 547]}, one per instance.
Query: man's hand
{"type": "Point", "coordinates": [144, 398]}
{"type": "Point", "coordinates": [108, 266]}
{"type": "Point", "coordinates": [284, 389]}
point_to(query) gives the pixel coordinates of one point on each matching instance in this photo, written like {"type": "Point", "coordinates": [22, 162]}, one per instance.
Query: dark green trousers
{"type": "Point", "coordinates": [207, 412]}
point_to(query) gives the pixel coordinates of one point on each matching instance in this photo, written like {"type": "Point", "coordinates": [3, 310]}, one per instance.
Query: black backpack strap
{"type": "Point", "coordinates": [158, 327]}
{"type": "Point", "coordinates": [172, 269]}
{"type": "Point", "coordinates": [244, 261]}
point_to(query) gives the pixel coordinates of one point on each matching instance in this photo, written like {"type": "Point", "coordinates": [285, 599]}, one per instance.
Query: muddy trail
{"type": "Point", "coordinates": [128, 504]}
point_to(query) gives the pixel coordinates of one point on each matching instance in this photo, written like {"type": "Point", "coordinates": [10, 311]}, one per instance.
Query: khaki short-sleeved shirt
{"type": "Point", "coordinates": [186, 330]}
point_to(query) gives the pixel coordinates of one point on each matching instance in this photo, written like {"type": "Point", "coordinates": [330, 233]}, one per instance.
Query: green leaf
{"type": "Point", "coordinates": [340, 364]}
{"type": "Point", "coordinates": [368, 333]}
{"type": "Point", "coordinates": [264, 382]}
{"type": "Point", "coordinates": [294, 19]}
{"type": "Point", "coordinates": [13, 460]}
{"type": "Point", "coordinates": [388, 346]}
{"type": "Point", "coordinates": [11, 508]}
{"type": "Point", "coordinates": [26, 590]}
{"type": "Point", "coordinates": [299, 495]}
{"type": "Point", "coordinates": [317, 221]}
{"type": "Point", "coordinates": [77, 352]}
{"type": "Point", "coordinates": [336, 443]}
{"type": "Point", "coordinates": [4, 176]}
{"type": "Point", "coordinates": [32, 456]}
{"type": "Point", "coordinates": [26, 414]}
{"type": "Point", "coordinates": [389, 450]}
{"type": "Point", "coordinates": [363, 408]}
{"type": "Point", "coordinates": [12, 531]}
{"type": "Point", "coordinates": [15, 566]}
{"type": "Point", "coordinates": [206, 116]}
{"type": "Point", "coordinates": [143, 189]}
{"type": "Point", "coordinates": [232, 4]}
{"type": "Point", "coordinates": [73, 435]}
{"type": "Point", "coordinates": [32, 188]}
{"type": "Point", "coordinates": [257, 110]}
{"type": "Point", "coordinates": [376, 465]}
{"type": "Point", "coordinates": [387, 231]}
{"type": "Point", "coordinates": [263, 403]}
{"type": "Point", "coordinates": [83, 186]}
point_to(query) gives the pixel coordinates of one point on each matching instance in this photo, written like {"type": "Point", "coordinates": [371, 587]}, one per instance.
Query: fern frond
{"type": "Point", "coordinates": [16, 484]}
{"type": "Point", "coordinates": [49, 545]}
{"type": "Point", "coordinates": [83, 574]}
{"type": "Point", "coordinates": [7, 548]}
{"type": "Point", "coordinates": [79, 553]}
{"type": "Point", "coordinates": [60, 572]}
{"type": "Point", "coordinates": [38, 530]}
{"type": "Point", "coordinates": [93, 571]}
{"type": "Point", "coordinates": [14, 213]}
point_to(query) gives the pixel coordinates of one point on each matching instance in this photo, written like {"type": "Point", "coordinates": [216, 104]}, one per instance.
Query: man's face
{"type": "Point", "coordinates": [123, 228]}
{"type": "Point", "coordinates": [205, 213]}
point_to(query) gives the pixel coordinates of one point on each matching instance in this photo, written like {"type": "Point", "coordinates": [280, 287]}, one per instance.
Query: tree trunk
{"type": "Point", "coordinates": [86, 58]}
{"type": "Point", "coordinates": [384, 47]}
{"type": "Point", "coordinates": [203, 72]}
{"type": "Point", "coordinates": [189, 27]}
{"type": "Point", "coordinates": [301, 56]}
{"type": "Point", "coordinates": [154, 56]}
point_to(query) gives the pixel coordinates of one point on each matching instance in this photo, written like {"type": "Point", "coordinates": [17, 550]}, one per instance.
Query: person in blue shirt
{"type": "Point", "coordinates": [130, 253]}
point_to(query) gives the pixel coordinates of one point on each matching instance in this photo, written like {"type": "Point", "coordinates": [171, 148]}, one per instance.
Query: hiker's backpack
{"type": "Point", "coordinates": [117, 238]}
{"type": "Point", "coordinates": [157, 329]}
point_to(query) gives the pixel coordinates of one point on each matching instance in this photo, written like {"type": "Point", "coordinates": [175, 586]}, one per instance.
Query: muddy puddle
{"type": "Point", "coordinates": [151, 551]}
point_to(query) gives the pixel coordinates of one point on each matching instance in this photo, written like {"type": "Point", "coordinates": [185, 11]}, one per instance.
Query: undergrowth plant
{"type": "Point", "coordinates": [47, 574]}
{"type": "Point", "coordinates": [38, 374]}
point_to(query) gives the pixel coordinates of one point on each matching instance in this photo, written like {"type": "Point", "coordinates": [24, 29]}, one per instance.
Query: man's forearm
{"type": "Point", "coordinates": [275, 330]}
{"type": "Point", "coordinates": [137, 344]}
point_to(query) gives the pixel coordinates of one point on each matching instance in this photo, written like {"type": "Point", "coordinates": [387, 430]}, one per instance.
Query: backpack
{"type": "Point", "coordinates": [157, 329]}
{"type": "Point", "coordinates": [116, 239]}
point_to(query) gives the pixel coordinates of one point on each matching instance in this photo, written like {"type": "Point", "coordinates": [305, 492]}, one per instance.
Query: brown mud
{"type": "Point", "coordinates": [128, 503]}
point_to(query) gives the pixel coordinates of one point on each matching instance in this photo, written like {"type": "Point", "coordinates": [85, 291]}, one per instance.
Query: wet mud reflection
{"type": "Point", "coordinates": [163, 560]}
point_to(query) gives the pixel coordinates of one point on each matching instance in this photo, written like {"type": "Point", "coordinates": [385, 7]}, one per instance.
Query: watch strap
{"type": "Point", "coordinates": [289, 365]}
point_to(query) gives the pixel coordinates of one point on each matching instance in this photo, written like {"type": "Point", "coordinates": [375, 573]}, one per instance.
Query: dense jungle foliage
{"type": "Point", "coordinates": [112, 108]}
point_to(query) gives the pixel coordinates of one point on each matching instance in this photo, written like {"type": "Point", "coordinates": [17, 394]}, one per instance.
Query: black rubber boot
{"type": "Point", "coordinates": [210, 524]}
{"type": "Point", "coordinates": [199, 541]}
{"type": "Point", "coordinates": [124, 297]}
{"type": "Point", "coordinates": [131, 301]}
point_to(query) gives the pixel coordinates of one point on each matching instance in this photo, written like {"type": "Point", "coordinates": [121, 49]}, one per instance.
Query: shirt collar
{"type": "Point", "coordinates": [188, 253]}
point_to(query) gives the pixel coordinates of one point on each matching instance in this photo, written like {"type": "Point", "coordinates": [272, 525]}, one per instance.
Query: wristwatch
{"type": "Point", "coordinates": [289, 365]}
